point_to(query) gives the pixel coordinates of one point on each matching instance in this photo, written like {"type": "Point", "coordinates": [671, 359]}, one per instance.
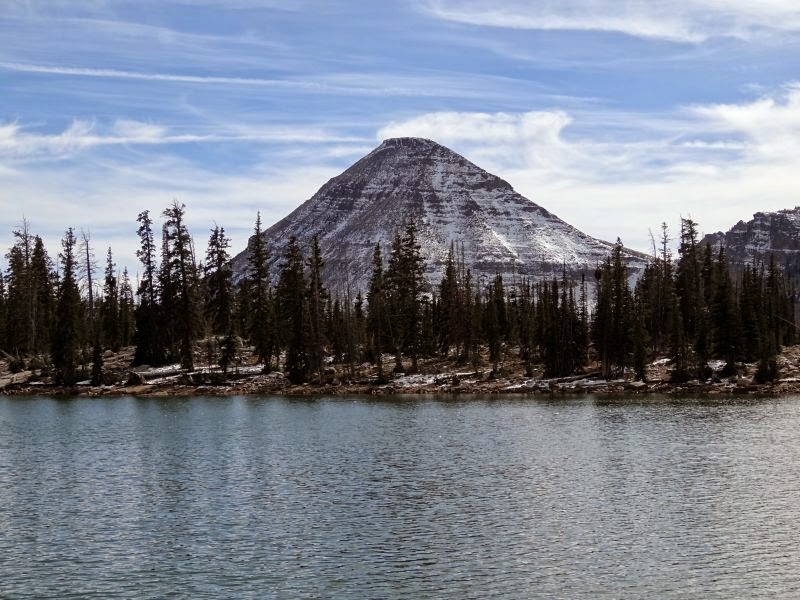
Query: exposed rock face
{"type": "Point", "coordinates": [766, 234]}
{"type": "Point", "coordinates": [451, 200]}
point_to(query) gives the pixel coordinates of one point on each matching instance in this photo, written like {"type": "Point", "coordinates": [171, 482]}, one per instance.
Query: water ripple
{"type": "Point", "coordinates": [407, 498]}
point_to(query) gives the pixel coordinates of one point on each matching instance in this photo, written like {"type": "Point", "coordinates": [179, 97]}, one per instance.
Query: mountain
{"type": "Point", "coordinates": [452, 200]}
{"type": "Point", "coordinates": [766, 234]}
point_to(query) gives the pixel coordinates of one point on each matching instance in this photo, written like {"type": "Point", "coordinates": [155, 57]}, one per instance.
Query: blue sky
{"type": "Point", "coordinates": [615, 116]}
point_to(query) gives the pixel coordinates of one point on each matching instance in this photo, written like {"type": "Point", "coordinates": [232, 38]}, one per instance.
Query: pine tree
{"type": "Point", "coordinates": [491, 322]}
{"type": "Point", "coordinates": [15, 320]}
{"type": "Point", "coordinates": [582, 336]}
{"type": "Point", "coordinates": [359, 332]}
{"type": "Point", "coordinates": [88, 268]}
{"type": "Point", "coordinates": [396, 294]}
{"type": "Point", "coordinates": [335, 329]}
{"type": "Point", "coordinates": [448, 320]}
{"type": "Point", "coordinates": [558, 329]}
{"type": "Point", "coordinates": [127, 310]}
{"type": "Point", "coordinates": [96, 378]}
{"type": "Point", "coordinates": [678, 344]}
{"type": "Point", "coordinates": [20, 330]}
{"type": "Point", "coordinates": [640, 338]}
{"type": "Point", "coordinates": [689, 280]}
{"type": "Point", "coordinates": [66, 342]}
{"type": "Point", "coordinates": [376, 312]}
{"type": "Point", "coordinates": [169, 299]}
{"type": "Point", "coordinates": [655, 291]}
{"type": "Point", "coordinates": [567, 319]}
{"type": "Point", "coordinates": [230, 350]}
{"type": "Point", "coordinates": [725, 316]}
{"type": "Point", "coordinates": [773, 325]}
{"type": "Point", "coordinates": [183, 275]}
{"type": "Point", "coordinates": [242, 307]}
{"type": "Point", "coordinates": [501, 310]}
{"type": "Point", "coordinates": [376, 309]}
{"type": "Point", "coordinates": [3, 314]}
{"type": "Point", "coordinates": [612, 329]}
{"type": "Point", "coordinates": [427, 345]}
{"type": "Point", "coordinates": [353, 329]}
{"type": "Point", "coordinates": [404, 285]}
{"type": "Point", "coordinates": [527, 328]}
{"type": "Point", "coordinates": [42, 296]}
{"type": "Point", "coordinates": [476, 329]}
{"type": "Point", "coordinates": [547, 331]}
{"type": "Point", "coordinates": [702, 345]}
{"type": "Point", "coordinates": [149, 331]}
{"type": "Point", "coordinates": [316, 295]}
{"type": "Point", "coordinates": [260, 325]}
{"type": "Point", "coordinates": [218, 283]}
{"type": "Point", "coordinates": [110, 308]}
{"type": "Point", "coordinates": [468, 319]}
{"type": "Point", "coordinates": [293, 311]}
{"type": "Point", "coordinates": [773, 293]}
{"type": "Point", "coordinates": [750, 314]}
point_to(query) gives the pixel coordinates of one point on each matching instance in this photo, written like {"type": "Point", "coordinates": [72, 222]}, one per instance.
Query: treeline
{"type": "Point", "coordinates": [692, 310]}
{"type": "Point", "coordinates": [50, 319]}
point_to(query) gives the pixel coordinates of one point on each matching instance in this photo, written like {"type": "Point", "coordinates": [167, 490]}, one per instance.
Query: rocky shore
{"type": "Point", "coordinates": [433, 377]}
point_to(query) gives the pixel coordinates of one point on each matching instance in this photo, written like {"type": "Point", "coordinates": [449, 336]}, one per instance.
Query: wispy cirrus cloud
{"type": "Point", "coordinates": [374, 84]}
{"type": "Point", "coordinates": [690, 21]}
{"type": "Point", "coordinates": [254, 104]}
{"type": "Point", "coordinates": [167, 77]}
{"type": "Point", "coordinates": [82, 135]}
{"type": "Point", "coordinates": [609, 173]}
{"type": "Point", "coordinates": [99, 6]}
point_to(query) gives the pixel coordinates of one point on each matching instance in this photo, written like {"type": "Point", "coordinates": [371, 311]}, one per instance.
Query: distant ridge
{"type": "Point", "coordinates": [766, 234]}
{"type": "Point", "coordinates": [451, 199]}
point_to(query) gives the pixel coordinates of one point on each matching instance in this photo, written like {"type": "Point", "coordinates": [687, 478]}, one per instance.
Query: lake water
{"type": "Point", "coordinates": [402, 497]}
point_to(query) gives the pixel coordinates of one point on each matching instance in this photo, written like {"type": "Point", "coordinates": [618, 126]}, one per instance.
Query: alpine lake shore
{"type": "Point", "coordinates": [443, 376]}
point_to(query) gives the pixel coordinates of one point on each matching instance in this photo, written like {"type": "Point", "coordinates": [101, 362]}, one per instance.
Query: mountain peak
{"type": "Point", "coordinates": [412, 151]}
{"type": "Point", "coordinates": [452, 200]}
{"type": "Point", "coordinates": [409, 142]}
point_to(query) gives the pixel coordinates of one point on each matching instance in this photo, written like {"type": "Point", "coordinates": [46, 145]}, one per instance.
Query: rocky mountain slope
{"type": "Point", "coordinates": [452, 200]}
{"type": "Point", "coordinates": [766, 234]}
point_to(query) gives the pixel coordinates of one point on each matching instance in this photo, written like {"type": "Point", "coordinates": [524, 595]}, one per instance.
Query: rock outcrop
{"type": "Point", "coordinates": [451, 200]}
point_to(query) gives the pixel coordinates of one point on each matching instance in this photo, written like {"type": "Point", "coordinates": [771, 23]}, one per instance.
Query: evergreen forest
{"type": "Point", "coordinates": [63, 314]}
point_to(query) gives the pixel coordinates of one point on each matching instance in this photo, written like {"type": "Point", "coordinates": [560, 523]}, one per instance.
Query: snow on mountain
{"type": "Point", "coordinates": [451, 200]}
{"type": "Point", "coordinates": [767, 233]}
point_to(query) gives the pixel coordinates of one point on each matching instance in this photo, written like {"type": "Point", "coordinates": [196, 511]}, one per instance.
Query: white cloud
{"type": "Point", "coordinates": [492, 127]}
{"type": "Point", "coordinates": [105, 197]}
{"type": "Point", "coordinates": [81, 135]}
{"type": "Point", "coordinates": [610, 174]}
{"type": "Point", "coordinates": [773, 120]}
{"type": "Point", "coordinates": [719, 163]}
{"type": "Point", "coordinates": [684, 21]}
{"type": "Point", "coordinates": [512, 139]}
{"type": "Point", "coordinates": [129, 129]}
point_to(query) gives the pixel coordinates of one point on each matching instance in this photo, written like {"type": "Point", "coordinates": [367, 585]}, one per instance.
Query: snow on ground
{"type": "Point", "coordinates": [414, 380]}
{"type": "Point", "coordinates": [145, 370]}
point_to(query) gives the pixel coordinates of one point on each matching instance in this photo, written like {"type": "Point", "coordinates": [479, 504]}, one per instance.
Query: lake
{"type": "Point", "coordinates": [399, 498]}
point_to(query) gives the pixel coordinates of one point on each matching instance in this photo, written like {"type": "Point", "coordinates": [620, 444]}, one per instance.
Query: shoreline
{"type": "Point", "coordinates": [436, 376]}
{"type": "Point", "coordinates": [497, 387]}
